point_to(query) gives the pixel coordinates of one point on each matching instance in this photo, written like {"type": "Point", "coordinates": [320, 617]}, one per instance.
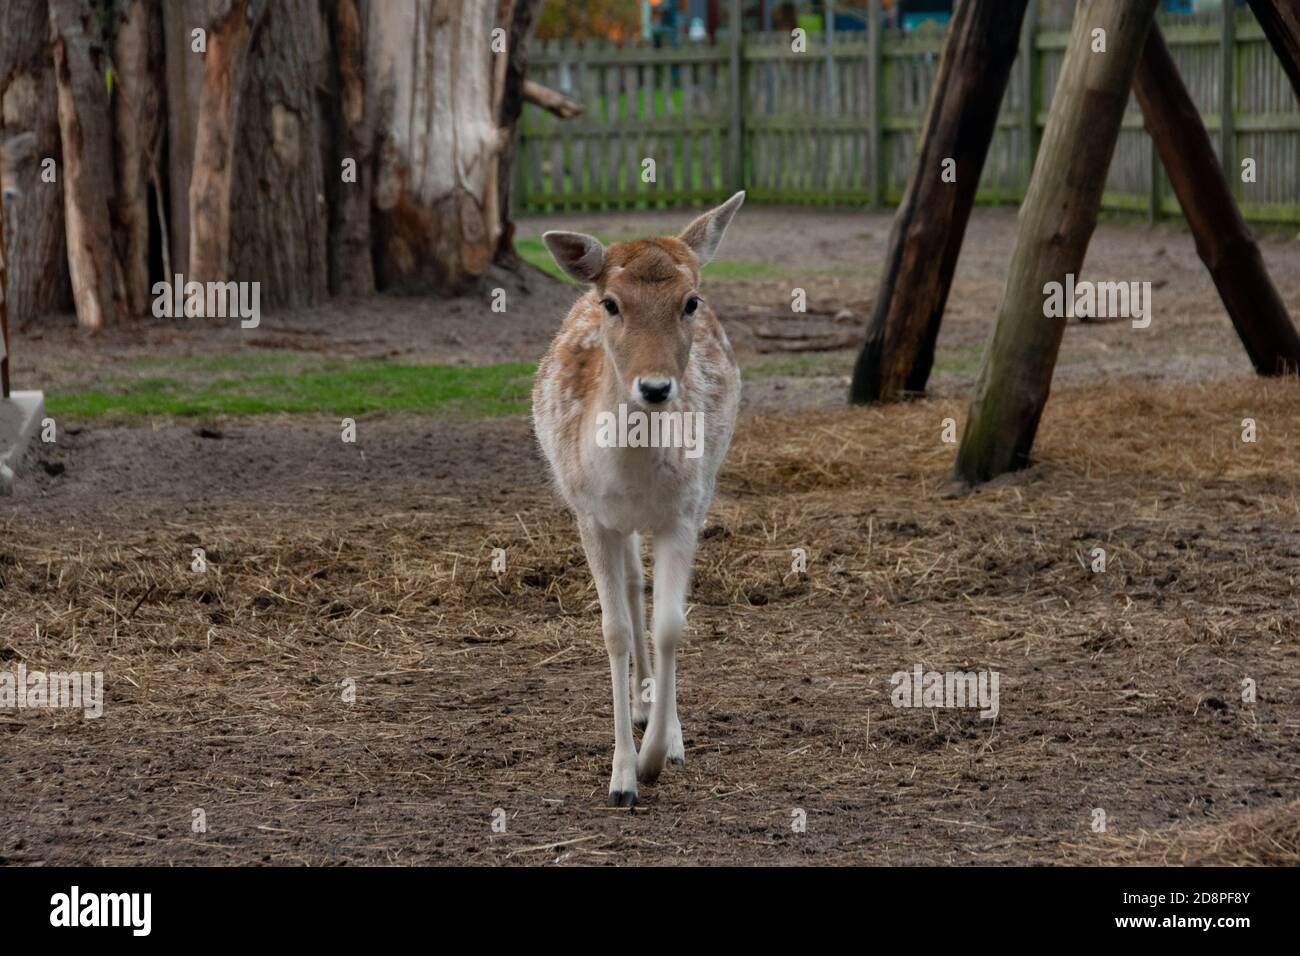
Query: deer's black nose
{"type": "Point", "coordinates": [655, 390]}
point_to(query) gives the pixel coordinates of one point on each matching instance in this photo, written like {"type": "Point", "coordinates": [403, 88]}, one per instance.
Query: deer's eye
{"type": "Point", "coordinates": [611, 307]}
{"type": "Point", "coordinates": [692, 304]}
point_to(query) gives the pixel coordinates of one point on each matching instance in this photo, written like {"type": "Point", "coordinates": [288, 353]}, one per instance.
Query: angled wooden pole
{"type": "Point", "coordinates": [931, 221]}
{"type": "Point", "coordinates": [1280, 20]}
{"type": "Point", "coordinates": [1057, 220]}
{"type": "Point", "coordinates": [1223, 240]}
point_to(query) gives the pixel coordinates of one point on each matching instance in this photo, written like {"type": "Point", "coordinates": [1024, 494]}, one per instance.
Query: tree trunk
{"type": "Point", "coordinates": [278, 210]}
{"type": "Point", "coordinates": [438, 87]}
{"type": "Point", "coordinates": [351, 266]}
{"type": "Point", "coordinates": [87, 163]}
{"type": "Point", "coordinates": [1223, 241]}
{"type": "Point", "coordinates": [184, 85]}
{"type": "Point", "coordinates": [228, 36]}
{"type": "Point", "coordinates": [521, 15]}
{"type": "Point", "coordinates": [931, 221]}
{"type": "Point", "coordinates": [1280, 20]}
{"type": "Point", "coordinates": [4, 308]}
{"type": "Point", "coordinates": [137, 114]}
{"type": "Point", "coordinates": [1057, 220]}
{"type": "Point", "coordinates": [29, 133]}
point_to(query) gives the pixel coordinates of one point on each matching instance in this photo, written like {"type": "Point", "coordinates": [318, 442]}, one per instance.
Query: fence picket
{"type": "Point", "coordinates": [812, 134]}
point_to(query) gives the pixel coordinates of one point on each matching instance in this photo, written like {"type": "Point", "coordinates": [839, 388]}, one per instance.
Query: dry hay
{"type": "Point", "coordinates": [478, 690]}
{"type": "Point", "coordinates": [1267, 837]}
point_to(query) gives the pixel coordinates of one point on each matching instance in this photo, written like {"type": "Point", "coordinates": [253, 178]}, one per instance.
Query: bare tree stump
{"type": "Point", "coordinates": [437, 219]}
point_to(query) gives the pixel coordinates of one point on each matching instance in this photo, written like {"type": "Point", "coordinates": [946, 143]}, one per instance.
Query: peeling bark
{"type": "Point", "coordinates": [228, 38]}
{"type": "Point", "coordinates": [87, 164]}
{"type": "Point", "coordinates": [29, 133]}
{"type": "Point", "coordinates": [277, 208]}
{"type": "Point", "coordinates": [4, 309]}
{"type": "Point", "coordinates": [137, 114]}
{"type": "Point", "coordinates": [437, 85]}
{"type": "Point", "coordinates": [184, 70]}
{"type": "Point", "coordinates": [351, 265]}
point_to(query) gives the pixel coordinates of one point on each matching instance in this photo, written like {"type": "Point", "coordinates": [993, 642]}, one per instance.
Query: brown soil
{"type": "Point", "coordinates": [477, 692]}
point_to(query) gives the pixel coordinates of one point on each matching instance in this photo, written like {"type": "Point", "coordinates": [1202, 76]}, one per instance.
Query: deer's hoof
{"type": "Point", "coordinates": [677, 761]}
{"type": "Point", "coordinates": [622, 798]}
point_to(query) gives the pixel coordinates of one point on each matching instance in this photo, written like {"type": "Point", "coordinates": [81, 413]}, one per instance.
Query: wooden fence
{"type": "Point", "coordinates": [838, 123]}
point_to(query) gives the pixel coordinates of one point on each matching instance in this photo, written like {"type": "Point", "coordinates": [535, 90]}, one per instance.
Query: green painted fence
{"type": "Point", "coordinates": [838, 123]}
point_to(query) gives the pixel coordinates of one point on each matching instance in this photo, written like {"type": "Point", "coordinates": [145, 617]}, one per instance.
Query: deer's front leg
{"type": "Point", "coordinates": [641, 676]}
{"type": "Point", "coordinates": [674, 556]}
{"type": "Point", "coordinates": [606, 554]}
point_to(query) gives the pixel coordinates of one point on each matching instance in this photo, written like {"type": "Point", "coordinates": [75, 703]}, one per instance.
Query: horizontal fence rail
{"type": "Point", "coordinates": [839, 122]}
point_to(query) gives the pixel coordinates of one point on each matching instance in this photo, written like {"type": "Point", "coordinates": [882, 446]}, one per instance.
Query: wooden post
{"type": "Point", "coordinates": [1057, 220]}
{"type": "Point", "coordinates": [1227, 87]}
{"type": "Point", "coordinates": [1031, 85]}
{"type": "Point", "coordinates": [875, 104]}
{"type": "Point", "coordinates": [931, 220]}
{"type": "Point", "coordinates": [1223, 241]}
{"type": "Point", "coordinates": [737, 150]}
{"type": "Point", "coordinates": [1280, 20]}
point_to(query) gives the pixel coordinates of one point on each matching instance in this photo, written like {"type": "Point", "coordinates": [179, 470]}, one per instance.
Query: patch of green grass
{"type": "Point", "coordinates": [962, 361]}
{"type": "Point", "coordinates": [802, 366]}
{"type": "Point", "coordinates": [346, 389]}
{"type": "Point", "coordinates": [262, 360]}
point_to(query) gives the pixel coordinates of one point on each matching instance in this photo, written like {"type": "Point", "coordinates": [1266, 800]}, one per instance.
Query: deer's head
{"type": "Point", "coordinates": [649, 294]}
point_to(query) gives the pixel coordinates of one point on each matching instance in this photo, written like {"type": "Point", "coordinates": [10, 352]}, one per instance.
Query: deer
{"type": "Point", "coordinates": [643, 338]}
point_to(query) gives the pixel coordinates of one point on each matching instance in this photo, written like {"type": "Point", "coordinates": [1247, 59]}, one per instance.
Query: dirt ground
{"type": "Point", "coordinates": [369, 566]}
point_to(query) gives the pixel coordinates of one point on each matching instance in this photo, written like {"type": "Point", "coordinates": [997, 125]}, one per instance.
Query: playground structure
{"type": "Point", "coordinates": [1115, 46]}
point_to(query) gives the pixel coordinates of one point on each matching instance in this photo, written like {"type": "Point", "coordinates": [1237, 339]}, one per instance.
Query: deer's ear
{"type": "Point", "coordinates": [579, 255]}
{"type": "Point", "coordinates": [705, 234]}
